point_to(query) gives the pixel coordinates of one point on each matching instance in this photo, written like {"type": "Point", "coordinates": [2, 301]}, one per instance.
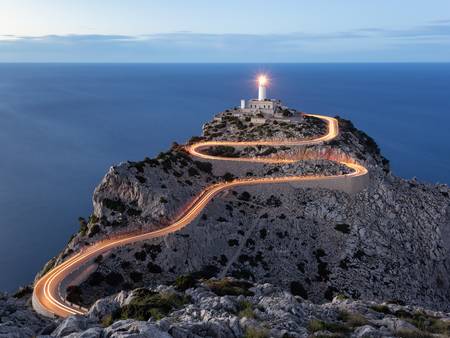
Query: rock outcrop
{"type": "Point", "coordinates": [231, 308]}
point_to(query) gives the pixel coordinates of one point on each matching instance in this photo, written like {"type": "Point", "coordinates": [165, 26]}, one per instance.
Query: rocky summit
{"type": "Point", "coordinates": [264, 260]}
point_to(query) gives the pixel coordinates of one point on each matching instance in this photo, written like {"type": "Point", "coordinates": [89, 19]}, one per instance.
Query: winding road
{"type": "Point", "coordinates": [48, 291]}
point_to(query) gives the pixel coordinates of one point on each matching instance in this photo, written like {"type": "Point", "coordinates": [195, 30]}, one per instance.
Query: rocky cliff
{"type": "Point", "coordinates": [388, 243]}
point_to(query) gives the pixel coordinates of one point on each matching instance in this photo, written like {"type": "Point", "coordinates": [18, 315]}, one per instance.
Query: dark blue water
{"type": "Point", "coordinates": [62, 126]}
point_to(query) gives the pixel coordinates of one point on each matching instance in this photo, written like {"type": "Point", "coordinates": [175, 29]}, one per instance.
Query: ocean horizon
{"type": "Point", "coordinates": [63, 125]}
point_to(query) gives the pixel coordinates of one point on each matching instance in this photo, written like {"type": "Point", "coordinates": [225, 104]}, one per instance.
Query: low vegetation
{"type": "Point", "coordinates": [317, 325]}
{"type": "Point", "coordinates": [222, 287]}
{"type": "Point", "coordinates": [147, 304]}
{"type": "Point", "coordinates": [253, 332]}
{"type": "Point", "coordinates": [246, 310]}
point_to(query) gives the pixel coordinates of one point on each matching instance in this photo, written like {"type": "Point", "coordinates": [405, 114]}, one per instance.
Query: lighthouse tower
{"type": "Point", "coordinates": [262, 81]}
{"type": "Point", "coordinates": [261, 105]}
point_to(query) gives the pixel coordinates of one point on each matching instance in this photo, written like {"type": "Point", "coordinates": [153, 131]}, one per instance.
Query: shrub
{"type": "Point", "coordinates": [246, 310]}
{"type": "Point", "coordinates": [93, 219]}
{"type": "Point", "coordinates": [153, 268]}
{"type": "Point", "coordinates": [204, 166]}
{"type": "Point", "coordinates": [425, 322]}
{"type": "Point", "coordinates": [163, 200]}
{"type": "Point", "coordinates": [381, 308]}
{"type": "Point", "coordinates": [224, 151]}
{"type": "Point", "coordinates": [96, 278]}
{"type": "Point", "coordinates": [98, 259]}
{"type": "Point", "coordinates": [141, 179]}
{"type": "Point", "coordinates": [116, 205]}
{"type": "Point", "coordinates": [253, 332]}
{"type": "Point", "coordinates": [140, 255]}
{"type": "Point", "coordinates": [136, 276]}
{"type": "Point", "coordinates": [83, 226]}
{"type": "Point", "coordinates": [319, 325]}
{"type": "Point", "coordinates": [412, 334]}
{"type": "Point", "coordinates": [74, 294]}
{"type": "Point", "coordinates": [297, 289]}
{"type": "Point", "coordinates": [222, 287]}
{"type": "Point", "coordinates": [185, 282]}
{"type": "Point", "coordinates": [273, 201]}
{"type": "Point", "coordinates": [228, 177]}
{"type": "Point", "coordinates": [23, 291]}
{"type": "Point", "coordinates": [353, 319]}
{"type": "Point", "coordinates": [195, 139]}
{"type": "Point", "coordinates": [114, 278]}
{"type": "Point", "coordinates": [125, 264]}
{"type": "Point", "coordinates": [245, 196]}
{"type": "Point", "coordinates": [95, 229]}
{"type": "Point", "coordinates": [107, 320]}
{"type": "Point", "coordinates": [263, 233]}
{"type": "Point", "coordinates": [341, 297]}
{"type": "Point", "coordinates": [146, 304]}
{"type": "Point", "coordinates": [192, 171]}
{"type": "Point", "coordinates": [233, 242]}
{"type": "Point", "coordinates": [344, 228]}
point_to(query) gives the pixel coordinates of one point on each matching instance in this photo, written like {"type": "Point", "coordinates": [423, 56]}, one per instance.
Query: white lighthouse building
{"type": "Point", "coordinates": [261, 105]}
{"type": "Point", "coordinates": [261, 109]}
{"type": "Point", "coordinates": [262, 82]}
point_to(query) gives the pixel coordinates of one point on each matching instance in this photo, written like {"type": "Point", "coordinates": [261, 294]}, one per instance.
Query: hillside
{"type": "Point", "coordinates": [386, 243]}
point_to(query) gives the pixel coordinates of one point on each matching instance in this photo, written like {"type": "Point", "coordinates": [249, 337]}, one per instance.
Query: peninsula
{"type": "Point", "coordinates": [272, 223]}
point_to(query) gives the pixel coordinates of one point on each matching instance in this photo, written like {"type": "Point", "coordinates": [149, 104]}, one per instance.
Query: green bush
{"type": "Point", "coordinates": [83, 226]}
{"type": "Point", "coordinates": [223, 287]}
{"type": "Point", "coordinates": [228, 177]}
{"type": "Point", "coordinates": [74, 294]}
{"type": "Point", "coordinates": [381, 308]}
{"type": "Point", "coordinates": [245, 196]}
{"type": "Point", "coordinates": [425, 322]}
{"type": "Point", "coordinates": [107, 320]}
{"type": "Point", "coordinates": [297, 289]}
{"type": "Point", "coordinates": [148, 304]}
{"type": "Point", "coordinates": [246, 310]}
{"type": "Point", "coordinates": [95, 229]}
{"type": "Point", "coordinates": [204, 166]}
{"type": "Point", "coordinates": [23, 291]}
{"type": "Point", "coordinates": [114, 278]}
{"type": "Point", "coordinates": [192, 172]}
{"type": "Point", "coordinates": [253, 332]}
{"type": "Point", "coordinates": [116, 205]}
{"type": "Point", "coordinates": [136, 276]}
{"type": "Point", "coordinates": [224, 151]}
{"type": "Point", "coordinates": [412, 334]}
{"type": "Point", "coordinates": [342, 227]}
{"type": "Point", "coordinates": [316, 325]}
{"type": "Point", "coordinates": [353, 319]}
{"type": "Point", "coordinates": [93, 219]}
{"type": "Point", "coordinates": [153, 268]}
{"type": "Point", "coordinates": [185, 282]}
{"type": "Point", "coordinates": [98, 259]}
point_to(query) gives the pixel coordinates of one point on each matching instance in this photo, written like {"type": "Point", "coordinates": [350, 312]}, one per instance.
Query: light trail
{"type": "Point", "coordinates": [47, 297]}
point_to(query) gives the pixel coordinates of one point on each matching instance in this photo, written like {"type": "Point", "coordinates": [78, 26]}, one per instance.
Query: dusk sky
{"type": "Point", "coordinates": [227, 31]}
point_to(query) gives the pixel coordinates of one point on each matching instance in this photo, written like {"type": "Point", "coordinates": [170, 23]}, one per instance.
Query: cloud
{"type": "Point", "coordinates": [366, 44]}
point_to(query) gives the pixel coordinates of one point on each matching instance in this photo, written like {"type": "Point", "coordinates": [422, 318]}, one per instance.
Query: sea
{"type": "Point", "coordinates": [63, 125]}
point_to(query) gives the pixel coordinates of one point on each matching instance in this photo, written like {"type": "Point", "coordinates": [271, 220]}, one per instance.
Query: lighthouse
{"type": "Point", "coordinates": [262, 105]}
{"type": "Point", "coordinates": [262, 81]}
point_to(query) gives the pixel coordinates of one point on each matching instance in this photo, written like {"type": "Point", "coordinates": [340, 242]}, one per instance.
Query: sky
{"type": "Point", "coordinates": [225, 31]}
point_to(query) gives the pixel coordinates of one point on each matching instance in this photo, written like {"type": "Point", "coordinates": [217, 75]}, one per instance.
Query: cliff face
{"type": "Point", "coordinates": [389, 241]}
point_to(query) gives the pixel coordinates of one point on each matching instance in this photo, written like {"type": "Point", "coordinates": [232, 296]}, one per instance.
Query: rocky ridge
{"type": "Point", "coordinates": [233, 308]}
